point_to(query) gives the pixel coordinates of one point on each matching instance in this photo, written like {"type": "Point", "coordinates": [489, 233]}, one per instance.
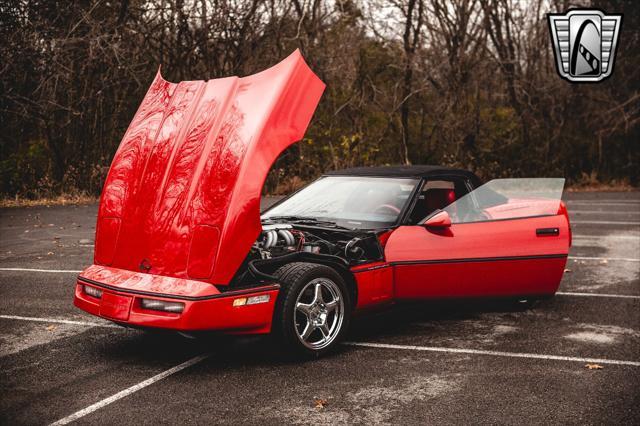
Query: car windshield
{"type": "Point", "coordinates": [502, 199]}
{"type": "Point", "coordinates": [348, 201]}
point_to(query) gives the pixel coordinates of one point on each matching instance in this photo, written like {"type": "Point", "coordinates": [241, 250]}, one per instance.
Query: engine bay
{"type": "Point", "coordinates": [353, 246]}
{"type": "Point", "coordinates": [285, 241]}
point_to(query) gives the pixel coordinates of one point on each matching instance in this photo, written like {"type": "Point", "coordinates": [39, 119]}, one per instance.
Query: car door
{"type": "Point", "coordinates": [508, 237]}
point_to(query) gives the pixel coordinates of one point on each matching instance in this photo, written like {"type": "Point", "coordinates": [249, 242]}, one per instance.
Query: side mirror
{"type": "Point", "coordinates": [438, 220]}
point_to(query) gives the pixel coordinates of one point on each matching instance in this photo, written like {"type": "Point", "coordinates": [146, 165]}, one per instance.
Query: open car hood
{"type": "Point", "coordinates": [182, 197]}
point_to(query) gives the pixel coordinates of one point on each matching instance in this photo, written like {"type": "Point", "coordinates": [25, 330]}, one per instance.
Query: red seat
{"type": "Point", "coordinates": [430, 201]}
{"type": "Point", "coordinates": [437, 198]}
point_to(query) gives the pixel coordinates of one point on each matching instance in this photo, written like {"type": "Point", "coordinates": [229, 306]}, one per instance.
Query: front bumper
{"type": "Point", "coordinates": [205, 307]}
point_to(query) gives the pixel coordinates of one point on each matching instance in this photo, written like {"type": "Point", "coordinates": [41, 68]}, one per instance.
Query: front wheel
{"type": "Point", "coordinates": [313, 308]}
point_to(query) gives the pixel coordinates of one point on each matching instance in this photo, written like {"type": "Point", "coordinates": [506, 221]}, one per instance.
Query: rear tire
{"type": "Point", "coordinates": [313, 308]}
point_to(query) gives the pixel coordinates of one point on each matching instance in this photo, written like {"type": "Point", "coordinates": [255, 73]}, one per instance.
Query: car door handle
{"type": "Point", "coordinates": [547, 232]}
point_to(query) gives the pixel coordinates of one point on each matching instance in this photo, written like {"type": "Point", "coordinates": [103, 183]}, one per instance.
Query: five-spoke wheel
{"type": "Point", "coordinates": [313, 307]}
{"type": "Point", "coordinates": [319, 313]}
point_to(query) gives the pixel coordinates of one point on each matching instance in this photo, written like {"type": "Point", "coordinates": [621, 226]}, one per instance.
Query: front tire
{"type": "Point", "coordinates": [313, 309]}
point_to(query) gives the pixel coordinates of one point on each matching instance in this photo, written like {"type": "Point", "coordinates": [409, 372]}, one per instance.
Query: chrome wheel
{"type": "Point", "coordinates": [319, 313]}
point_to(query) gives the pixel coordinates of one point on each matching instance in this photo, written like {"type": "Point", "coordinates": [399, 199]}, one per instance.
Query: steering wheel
{"type": "Point", "coordinates": [388, 207]}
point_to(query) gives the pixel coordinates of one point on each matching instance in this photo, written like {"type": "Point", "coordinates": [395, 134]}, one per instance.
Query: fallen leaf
{"type": "Point", "coordinates": [319, 403]}
{"type": "Point", "coordinates": [50, 253]}
{"type": "Point", "coordinates": [566, 271]}
{"type": "Point", "coordinates": [594, 366]}
{"type": "Point", "coordinates": [51, 327]}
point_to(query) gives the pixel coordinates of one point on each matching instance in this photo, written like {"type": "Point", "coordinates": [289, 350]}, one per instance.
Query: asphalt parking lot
{"type": "Point", "coordinates": [454, 363]}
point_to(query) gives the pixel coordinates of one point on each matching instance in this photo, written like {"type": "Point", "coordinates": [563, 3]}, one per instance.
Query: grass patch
{"type": "Point", "coordinates": [60, 200]}
{"type": "Point", "coordinates": [613, 186]}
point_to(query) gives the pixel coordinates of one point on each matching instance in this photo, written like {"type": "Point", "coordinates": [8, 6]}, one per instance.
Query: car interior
{"type": "Point", "coordinates": [436, 195]}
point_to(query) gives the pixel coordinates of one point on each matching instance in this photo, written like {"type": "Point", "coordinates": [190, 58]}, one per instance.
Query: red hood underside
{"type": "Point", "coordinates": [182, 197]}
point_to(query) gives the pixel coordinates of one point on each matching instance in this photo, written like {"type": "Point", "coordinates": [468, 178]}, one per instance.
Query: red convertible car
{"type": "Point", "coordinates": [181, 243]}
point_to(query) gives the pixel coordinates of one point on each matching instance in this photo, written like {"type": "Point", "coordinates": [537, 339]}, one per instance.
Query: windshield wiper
{"type": "Point", "coordinates": [290, 218]}
{"type": "Point", "coordinates": [307, 220]}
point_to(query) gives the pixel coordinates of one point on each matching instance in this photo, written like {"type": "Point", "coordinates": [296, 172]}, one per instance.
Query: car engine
{"type": "Point", "coordinates": [280, 243]}
{"type": "Point", "coordinates": [354, 246]}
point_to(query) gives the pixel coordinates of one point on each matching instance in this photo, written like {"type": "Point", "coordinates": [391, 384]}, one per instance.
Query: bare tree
{"type": "Point", "coordinates": [461, 82]}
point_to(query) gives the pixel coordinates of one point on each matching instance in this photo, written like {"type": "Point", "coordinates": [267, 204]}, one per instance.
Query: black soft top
{"type": "Point", "coordinates": [418, 171]}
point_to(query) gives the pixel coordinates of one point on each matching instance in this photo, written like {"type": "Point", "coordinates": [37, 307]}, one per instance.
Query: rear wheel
{"type": "Point", "coordinates": [313, 308]}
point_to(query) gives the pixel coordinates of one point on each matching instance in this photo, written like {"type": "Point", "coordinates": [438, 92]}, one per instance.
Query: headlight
{"type": "Point", "coordinates": [161, 305]}
{"type": "Point", "coordinates": [92, 291]}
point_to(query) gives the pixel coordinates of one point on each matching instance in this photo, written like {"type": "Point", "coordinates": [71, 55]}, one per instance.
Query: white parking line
{"type": "Point", "coordinates": [619, 296]}
{"type": "Point", "coordinates": [605, 222]}
{"type": "Point", "coordinates": [619, 259]}
{"type": "Point", "coordinates": [572, 206]}
{"type": "Point", "coordinates": [55, 271]}
{"type": "Point", "coordinates": [575, 211]}
{"type": "Point", "coordinates": [494, 353]}
{"type": "Point", "coordinates": [60, 321]}
{"type": "Point", "coordinates": [601, 201]}
{"type": "Point", "coordinates": [597, 237]}
{"type": "Point", "coordinates": [135, 388]}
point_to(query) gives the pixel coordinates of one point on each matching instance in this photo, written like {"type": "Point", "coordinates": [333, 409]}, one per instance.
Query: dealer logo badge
{"type": "Point", "coordinates": [584, 43]}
